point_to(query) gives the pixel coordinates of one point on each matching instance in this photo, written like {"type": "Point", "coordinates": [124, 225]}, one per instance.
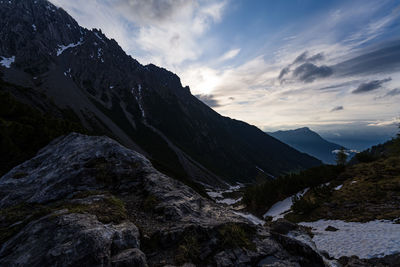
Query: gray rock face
{"type": "Point", "coordinates": [81, 200]}
{"type": "Point", "coordinates": [72, 239]}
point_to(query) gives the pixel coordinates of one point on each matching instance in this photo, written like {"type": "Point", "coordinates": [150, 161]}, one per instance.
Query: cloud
{"type": "Point", "coordinates": [370, 86]}
{"type": "Point", "coordinates": [152, 11]}
{"type": "Point", "coordinates": [381, 60]}
{"type": "Point", "coordinates": [162, 32]}
{"type": "Point", "coordinates": [230, 54]}
{"type": "Point", "coordinates": [308, 72]}
{"type": "Point", "coordinates": [209, 100]}
{"type": "Point", "coordinates": [393, 92]}
{"type": "Point", "coordinates": [316, 57]}
{"type": "Point", "coordinates": [283, 72]}
{"type": "Point", "coordinates": [302, 58]}
{"type": "Point", "coordinates": [393, 121]}
{"type": "Point", "coordinates": [371, 60]}
{"type": "Point", "coordinates": [338, 108]}
{"type": "Point", "coordinates": [339, 86]}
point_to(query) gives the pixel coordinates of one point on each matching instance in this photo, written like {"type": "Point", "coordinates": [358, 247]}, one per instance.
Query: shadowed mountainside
{"type": "Point", "coordinates": [67, 67]}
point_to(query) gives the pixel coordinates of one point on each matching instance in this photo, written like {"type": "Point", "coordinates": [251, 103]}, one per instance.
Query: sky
{"type": "Point", "coordinates": [333, 66]}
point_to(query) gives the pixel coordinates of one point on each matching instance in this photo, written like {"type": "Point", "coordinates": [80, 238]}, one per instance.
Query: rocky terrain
{"type": "Point", "coordinates": [90, 201]}
{"type": "Point", "coordinates": [58, 67]}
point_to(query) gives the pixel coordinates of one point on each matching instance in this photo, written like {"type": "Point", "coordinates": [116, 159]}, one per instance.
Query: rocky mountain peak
{"type": "Point", "coordinates": [34, 29]}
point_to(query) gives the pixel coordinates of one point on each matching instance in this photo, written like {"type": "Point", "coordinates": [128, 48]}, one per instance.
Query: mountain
{"type": "Point", "coordinates": [52, 64]}
{"type": "Point", "coordinates": [88, 201]}
{"type": "Point", "coordinates": [307, 141]}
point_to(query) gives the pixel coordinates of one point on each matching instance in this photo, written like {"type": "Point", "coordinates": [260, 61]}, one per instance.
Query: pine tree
{"type": "Point", "coordinates": [341, 157]}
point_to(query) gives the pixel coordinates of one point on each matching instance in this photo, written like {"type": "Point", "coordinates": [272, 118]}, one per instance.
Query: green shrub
{"type": "Point", "coordinates": [303, 205]}
{"type": "Point", "coordinates": [234, 235]}
{"type": "Point", "coordinates": [188, 249]}
{"type": "Point", "coordinates": [365, 157]}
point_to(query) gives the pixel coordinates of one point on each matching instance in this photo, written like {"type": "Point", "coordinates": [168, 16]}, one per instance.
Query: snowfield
{"type": "Point", "coordinates": [365, 240]}
{"type": "Point", "coordinates": [279, 209]}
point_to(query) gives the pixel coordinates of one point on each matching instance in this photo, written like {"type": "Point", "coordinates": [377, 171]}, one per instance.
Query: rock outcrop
{"type": "Point", "coordinates": [89, 201]}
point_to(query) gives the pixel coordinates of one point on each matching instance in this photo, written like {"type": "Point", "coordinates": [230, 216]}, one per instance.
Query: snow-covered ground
{"type": "Point", "coordinates": [279, 209]}
{"type": "Point", "coordinates": [218, 196]}
{"type": "Point", "coordinates": [250, 217]}
{"type": "Point", "coordinates": [214, 194]}
{"type": "Point", "coordinates": [229, 201]}
{"type": "Point", "coordinates": [365, 240]}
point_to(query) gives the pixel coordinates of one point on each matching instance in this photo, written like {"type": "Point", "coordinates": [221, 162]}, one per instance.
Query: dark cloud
{"type": "Point", "coordinates": [302, 58]}
{"type": "Point", "coordinates": [370, 86]}
{"type": "Point", "coordinates": [338, 108]}
{"type": "Point", "coordinates": [151, 10]}
{"type": "Point", "coordinates": [209, 100]}
{"type": "Point", "coordinates": [316, 57]}
{"type": "Point", "coordinates": [393, 92]}
{"type": "Point", "coordinates": [381, 60]}
{"type": "Point", "coordinates": [335, 87]}
{"type": "Point", "coordinates": [283, 72]}
{"type": "Point", "coordinates": [308, 72]}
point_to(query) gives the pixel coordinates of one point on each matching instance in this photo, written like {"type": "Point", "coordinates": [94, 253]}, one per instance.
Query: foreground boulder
{"type": "Point", "coordinates": [89, 201]}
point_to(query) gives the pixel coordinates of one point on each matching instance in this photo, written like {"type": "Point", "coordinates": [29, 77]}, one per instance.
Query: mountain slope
{"type": "Point", "coordinates": [307, 141]}
{"type": "Point", "coordinates": [144, 107]}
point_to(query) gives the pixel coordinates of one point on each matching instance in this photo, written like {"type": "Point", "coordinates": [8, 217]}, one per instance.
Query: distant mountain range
{"type": "Point", "coordinates": [310, 142]}
{"type": "Point", "coordinates": [54, 65]}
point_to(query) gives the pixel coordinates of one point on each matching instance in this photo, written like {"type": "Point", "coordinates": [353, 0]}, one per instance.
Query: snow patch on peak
{"type": "Point", "coordinates": [139, 99]}
{"type": "Point", "coordinates": [99, 37]}
{"type": "Point", "coordinates": [6, 62]}
{"type": "Point", "coordinates": [68, 73]}
{"type": "Point", "coordinates": [62, 48]}
{"type": "Point", "coordinates": [338, 187]}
